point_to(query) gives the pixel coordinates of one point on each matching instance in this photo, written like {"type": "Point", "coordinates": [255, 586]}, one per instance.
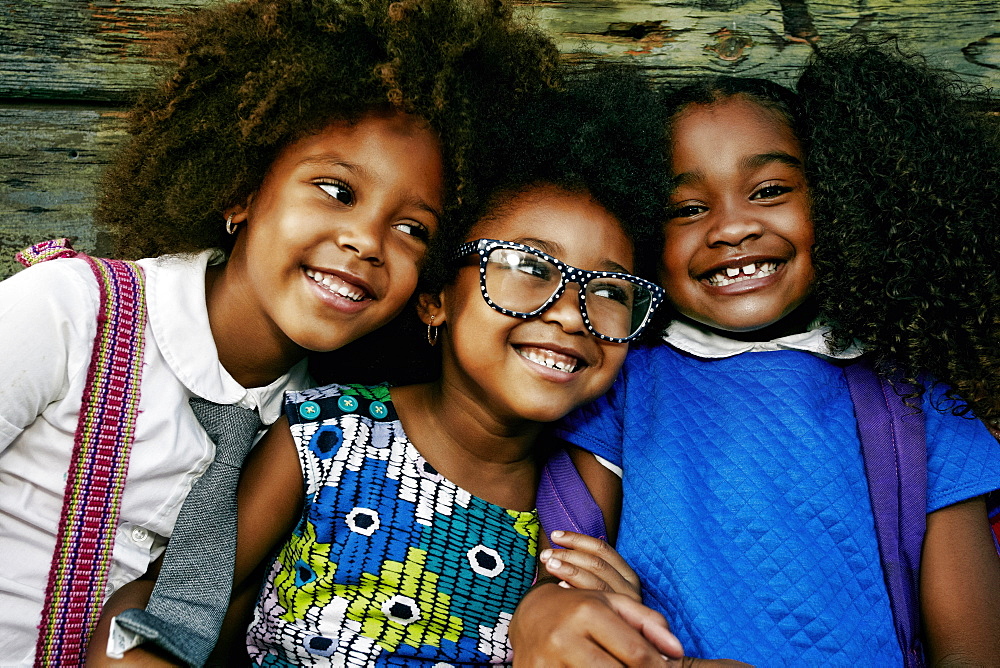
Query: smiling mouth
{"type": "Point", "coordinates": [337, 285]}
{"type": "Point", "coordinates": [550, 359]}
{"type": "Point", "coordinates": [751, 270]}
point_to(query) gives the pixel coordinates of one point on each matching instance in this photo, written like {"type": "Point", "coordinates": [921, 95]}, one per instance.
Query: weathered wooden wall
{"type": "Point", "coordinates": [68, 68]}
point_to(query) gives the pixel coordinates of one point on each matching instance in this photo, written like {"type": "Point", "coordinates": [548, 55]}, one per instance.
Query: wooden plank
{"type": "Point", "coordinates": [51, 158]}
{"type": "Point", "coordinates": [68, 49]}
{"type": "Point", "coordinates": [767, 38]}
{"type": "Point", "coordinates": [74, 50]}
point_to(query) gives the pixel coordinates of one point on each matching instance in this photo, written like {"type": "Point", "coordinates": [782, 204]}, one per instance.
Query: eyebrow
{"type": "Point", "coordinates": [553, 248]}
{"type": "Point", "coordinates": [750, 163]}
{"type": "Point", "coordinates": [330, 160]}
{"type": "Point", "coordinates": [762, 159]}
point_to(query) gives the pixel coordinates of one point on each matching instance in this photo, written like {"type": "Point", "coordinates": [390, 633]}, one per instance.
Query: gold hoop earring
{"type": "Point", "coordinates": [432, 333]}
{"type": "Point", "coordinates": [230, 228]}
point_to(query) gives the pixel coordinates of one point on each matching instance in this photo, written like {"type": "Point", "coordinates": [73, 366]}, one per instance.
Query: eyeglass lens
{"type": "Point", "coordinates": [522, 282]}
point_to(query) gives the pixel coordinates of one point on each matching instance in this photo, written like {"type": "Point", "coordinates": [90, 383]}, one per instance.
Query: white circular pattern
{"type": "Point", "coordinates": [364, 521]}
{"type": "Point", "coordinates": [486, 561]}
{"type": "Point", "coordinates": [401, 609]}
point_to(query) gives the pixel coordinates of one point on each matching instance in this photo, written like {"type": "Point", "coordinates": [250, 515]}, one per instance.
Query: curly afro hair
{"type": "Point", "coordinates": [903, 176]}
{"type": "Point", "coordinates": [906, 209]}
{"type": "Point", "coordinates": [603, 134]}
{"type": "Point", "coordinates": [251, 77]}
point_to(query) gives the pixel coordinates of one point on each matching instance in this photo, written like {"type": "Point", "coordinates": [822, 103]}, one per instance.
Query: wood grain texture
{"type": "Point", "coordinates": [769, 38]}
{"type": "Point", "coordinates": [78, 50]}
{"type": "Point", "coordinates": [51, 157]}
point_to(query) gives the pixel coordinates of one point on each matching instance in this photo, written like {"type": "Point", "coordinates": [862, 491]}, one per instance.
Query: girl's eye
{"type": "Point", "coordinates": [770, 192]}
{"type": "Point", "coordinates": [616, 293]}
{"type": "Point", "coordinates": [414, 229]}
{"type": "Point", "coordinates": [339, 191]}
{"type": "Point", "coordinates": [688, 211]}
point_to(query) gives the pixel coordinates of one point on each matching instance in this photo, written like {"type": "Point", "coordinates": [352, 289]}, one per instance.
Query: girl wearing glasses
{"type": "Point", "coordinates": [407, 513]}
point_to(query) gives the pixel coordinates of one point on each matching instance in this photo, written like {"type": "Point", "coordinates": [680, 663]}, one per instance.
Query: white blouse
{"type": "Point", "coordinates": [48, 320]}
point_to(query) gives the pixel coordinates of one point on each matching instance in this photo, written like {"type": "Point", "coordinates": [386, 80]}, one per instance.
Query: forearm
{"type": "Point", "coordinates": [135, 594]}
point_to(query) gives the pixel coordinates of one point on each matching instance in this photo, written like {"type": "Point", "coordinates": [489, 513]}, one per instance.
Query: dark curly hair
{"type": "Point", "coordinates": [906, 207]}
{"type": "Point", "coordinates": [253, 76]}
{"type": "Point", "coordinates": [602, 134]}
{"type": "Point", "coordinates": [903, 175]}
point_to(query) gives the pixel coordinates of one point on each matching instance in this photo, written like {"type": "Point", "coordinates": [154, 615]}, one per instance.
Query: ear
{"type": "Point", "coordinates": [239, 212]}
{"type": "Point", "coordinates": [430, 308]}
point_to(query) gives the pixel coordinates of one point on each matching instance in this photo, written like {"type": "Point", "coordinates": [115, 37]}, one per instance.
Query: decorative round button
{"type": "Point", "coordinates": [378, 410]}
{"type": "Point", "coordinates": [139, 534]}
{"type": "Point", "coordinates": [347, 404]}
{"type": "Point", "coordinates": [309, 410]}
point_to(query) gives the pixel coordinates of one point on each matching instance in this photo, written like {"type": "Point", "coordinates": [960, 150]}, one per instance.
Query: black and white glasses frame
{"type": "Point", "coordinates": [568, 274]}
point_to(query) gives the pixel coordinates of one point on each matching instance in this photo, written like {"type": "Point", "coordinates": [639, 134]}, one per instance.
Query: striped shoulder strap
{"type": "Point", "coordinates": [104, 435]}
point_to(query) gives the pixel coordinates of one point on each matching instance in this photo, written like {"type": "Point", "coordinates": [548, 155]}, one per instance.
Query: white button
{"type": "Point", "coordinates": [139, 534]}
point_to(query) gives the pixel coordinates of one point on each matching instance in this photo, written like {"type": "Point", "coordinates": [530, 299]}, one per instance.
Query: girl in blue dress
{"type": "Point", "coordinates": [857, 217]}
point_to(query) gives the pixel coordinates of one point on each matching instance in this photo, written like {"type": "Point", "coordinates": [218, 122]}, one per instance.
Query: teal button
{"type": "Point", "coordinates": [378, 410]}
{"type": "Point", "coordinates": [347, 404]}
{"type": "Point", "coordinates": [309, 410]}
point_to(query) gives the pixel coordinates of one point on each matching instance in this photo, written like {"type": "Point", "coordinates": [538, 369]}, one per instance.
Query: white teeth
{"type": "Point", "coordinates": [731, 275]}
{"type": "Point", "coordinates": [343, 289]}
{"type": "Point", "coordinates": [549, 359]}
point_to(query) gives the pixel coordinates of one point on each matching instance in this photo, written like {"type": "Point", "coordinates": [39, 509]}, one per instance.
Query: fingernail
{"type": "Point", "coordinates": [558, 534]}
{"type": "Point", "coordinates": [553, 563]}
{"type": "Point", "coordinates": [544, 556]}
{"type": "Point", "coordinates": [565, 585]}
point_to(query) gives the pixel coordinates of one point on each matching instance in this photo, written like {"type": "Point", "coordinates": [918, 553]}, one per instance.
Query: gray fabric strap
{"type": "Point", "coordinates": [191, 596]}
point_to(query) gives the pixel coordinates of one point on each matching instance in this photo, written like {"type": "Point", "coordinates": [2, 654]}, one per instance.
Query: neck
{"type": "Point", "coordinates": [489, 456]}
{"type": "Point", "coordinates": [253, 350]}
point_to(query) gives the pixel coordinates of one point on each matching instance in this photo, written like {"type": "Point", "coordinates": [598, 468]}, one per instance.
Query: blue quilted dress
{"type": "Point", "coordinates": [391, 564]}
{"type": "Point", "coordinates": [746, 509]}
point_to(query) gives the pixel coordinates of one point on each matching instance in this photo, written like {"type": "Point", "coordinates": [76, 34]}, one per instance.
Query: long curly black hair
{"type": "Point", "coordinates": [248, 78]}
{"type": "Point", "coordinates": [602, 134]}
{"type": "Point", "coordinates": [905, 186]}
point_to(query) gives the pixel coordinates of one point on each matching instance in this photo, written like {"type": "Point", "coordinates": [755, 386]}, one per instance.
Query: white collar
{"type": "Point", "coordinates": [707, 344]}
{"type": "Point", "coordinates": [178, 316]}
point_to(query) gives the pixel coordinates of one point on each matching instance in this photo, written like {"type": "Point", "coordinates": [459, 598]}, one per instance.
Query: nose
{"type": "Point", "coordinates": [364, 236]}
{"type": "Point", "coordinates": [733, 225]}
{"type": "Point", "coordinates": [566, 311]}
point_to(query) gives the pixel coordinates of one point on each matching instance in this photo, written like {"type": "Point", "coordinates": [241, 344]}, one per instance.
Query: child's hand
{"type": "Point", "coordinates": [555, 626]}
{"type": "Point", "coordinates": [590, 563]}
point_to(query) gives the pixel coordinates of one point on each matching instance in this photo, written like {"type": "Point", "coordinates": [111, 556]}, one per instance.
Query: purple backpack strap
{"type": "Point", "coordinates": [564, 502]}
{"type": "Point", "coordinates": [894, 449]}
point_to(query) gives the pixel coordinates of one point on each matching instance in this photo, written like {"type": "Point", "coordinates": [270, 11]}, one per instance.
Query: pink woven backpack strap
{"type": "Point", "coordinates": [104, 435]}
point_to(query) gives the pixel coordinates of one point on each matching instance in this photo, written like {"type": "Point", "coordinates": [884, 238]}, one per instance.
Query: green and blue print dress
{"type": "Point", "coordinates": [390, 564]}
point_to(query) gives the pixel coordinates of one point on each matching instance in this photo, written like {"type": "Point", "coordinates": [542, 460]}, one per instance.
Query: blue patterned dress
{"type": "Point", "coordinates": [390, 564]}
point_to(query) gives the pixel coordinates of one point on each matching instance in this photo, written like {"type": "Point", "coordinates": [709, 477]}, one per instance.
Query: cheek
{"type": "Point", "coordinates": [614, 358]}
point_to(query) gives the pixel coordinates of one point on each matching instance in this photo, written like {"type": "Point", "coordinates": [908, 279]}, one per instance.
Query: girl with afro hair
{"type": "Point", "coordinates": [283, 183]}
{"type": "Point", "coordinates": [854, 220]}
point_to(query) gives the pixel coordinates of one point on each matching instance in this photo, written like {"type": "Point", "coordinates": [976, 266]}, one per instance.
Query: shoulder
{"type": "Point", "coordinates": [60, 290]}
{"type": "Point", "coordinates": [962, 454]}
